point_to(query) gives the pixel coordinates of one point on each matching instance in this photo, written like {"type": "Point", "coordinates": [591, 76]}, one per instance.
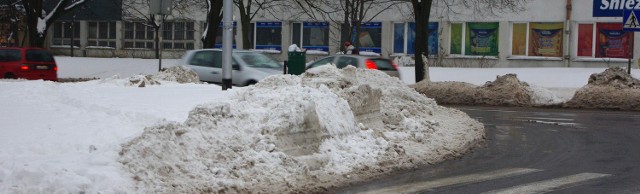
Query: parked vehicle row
{"type": "Point", "coordinates": [249, 67]}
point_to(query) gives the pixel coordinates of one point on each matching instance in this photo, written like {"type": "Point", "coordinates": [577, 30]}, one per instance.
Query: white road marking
{"type": "Point", "coordinates": [549, 185]}
{"type": "Point", "coordinates": [462, 179]}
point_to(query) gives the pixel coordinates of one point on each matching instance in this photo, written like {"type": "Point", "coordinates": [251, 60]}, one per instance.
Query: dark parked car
{"type": "Point", "coordinates": [249, 67]}
{"type": "Point", "coordinates": [359, 61]}
{"type": "Point", "coordinates": [27, 63]}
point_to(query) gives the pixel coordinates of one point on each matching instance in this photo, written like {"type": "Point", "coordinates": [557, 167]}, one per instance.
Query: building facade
{"type": "Point", "coordinates": [548, 33]}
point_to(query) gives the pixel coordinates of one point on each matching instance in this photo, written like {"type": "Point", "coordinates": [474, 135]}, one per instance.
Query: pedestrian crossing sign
{"type": "Point", "coordinates": [630, 20]}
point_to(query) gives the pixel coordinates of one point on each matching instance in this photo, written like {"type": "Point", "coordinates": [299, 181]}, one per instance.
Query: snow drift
{"type": "Point", "coordinates": [506, 90]}
{"type": "Point", "coordinates": [612, 89]}
{"type": "Point", "coordinates": [325, 128]}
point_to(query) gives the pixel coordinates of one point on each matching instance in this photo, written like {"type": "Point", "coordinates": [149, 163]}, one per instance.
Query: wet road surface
{"type": "Point", "coordinates": [531, 150]}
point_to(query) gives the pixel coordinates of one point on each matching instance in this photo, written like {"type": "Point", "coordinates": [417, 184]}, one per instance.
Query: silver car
{"type": "Point", "coordinates": [248, 67]}
{"type": "Point", "coordinates": [359, 61]}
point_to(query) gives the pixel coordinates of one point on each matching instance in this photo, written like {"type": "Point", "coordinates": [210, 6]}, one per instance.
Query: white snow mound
{"type": "Point", "coordinates": [299, 134]}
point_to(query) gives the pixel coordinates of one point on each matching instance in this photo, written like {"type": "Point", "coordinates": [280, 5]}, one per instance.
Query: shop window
{"type": "Point", "coordinates": [612, 41]}
{"type": "Point", "coordinates": [370, 37]}
{"type": "Point", "coordinates": [268, 35]}
{"type": "Point", "coordinates": [481, 39]}
{"type": "Point", "coordinates": [315, 36]}
{"type": "Point", "coordinates": [456, 39]}
{"type": "Point", "coordinates": [538, 39]}
{"type": "Point", "coordinates": [519, 42]}
{"type": "Point", "coordinates": [604, 40]}
{"type": "Point", "coordinates": [311, 35]}
{"type": "Point", "coordinates": [585, 40]}
{"type": "Point", "coordinates": [407, 46]}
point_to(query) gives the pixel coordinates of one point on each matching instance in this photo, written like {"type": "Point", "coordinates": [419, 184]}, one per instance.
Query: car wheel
{"type": "Point", "coordinates": [9, 76]}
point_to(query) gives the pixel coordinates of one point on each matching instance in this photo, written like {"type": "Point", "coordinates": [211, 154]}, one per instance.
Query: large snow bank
{"type": "Point", "coordinates": [612, 89]}
{"type": "Point", "coordinates": [299, 134]}
{"type": "Point", "coordinates": [505, 90]}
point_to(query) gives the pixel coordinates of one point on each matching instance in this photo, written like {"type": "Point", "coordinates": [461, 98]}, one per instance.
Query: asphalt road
{"type": "Point", "coordinates": [533, 151]}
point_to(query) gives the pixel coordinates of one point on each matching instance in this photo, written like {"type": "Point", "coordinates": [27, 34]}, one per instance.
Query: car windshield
{"type": "Point", "coordinates": [7, 55]}
{"type": "Point", "coordinates": [258, 60]}
{"type": "Point", "coordinates": [39, 56]}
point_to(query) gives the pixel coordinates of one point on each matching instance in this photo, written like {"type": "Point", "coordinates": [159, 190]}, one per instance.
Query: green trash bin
{"type": "Point", "coordinates": [296, 63]}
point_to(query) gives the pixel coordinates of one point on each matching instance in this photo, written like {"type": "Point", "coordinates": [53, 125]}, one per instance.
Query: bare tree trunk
{"type": "Point", "coordinates": [214, 18]}
{"type": "Point", "coordinates": [422, 10]}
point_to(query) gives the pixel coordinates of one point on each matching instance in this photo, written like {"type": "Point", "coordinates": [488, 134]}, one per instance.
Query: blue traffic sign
{"type": "Point", "coordinates": [630, 20]}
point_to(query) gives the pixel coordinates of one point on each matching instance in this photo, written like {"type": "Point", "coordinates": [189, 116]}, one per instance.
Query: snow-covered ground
{"type": "Point", "coordinates": [107, 136]}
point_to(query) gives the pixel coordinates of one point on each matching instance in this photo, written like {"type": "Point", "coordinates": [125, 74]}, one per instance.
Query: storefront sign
{"type": "Point", "coordinates": [613, 8]}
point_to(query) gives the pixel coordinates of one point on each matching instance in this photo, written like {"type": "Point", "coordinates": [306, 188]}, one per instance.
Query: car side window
{"type": "Point", "coordinates": [10, 55]}
{"type": "Point", "coordinates": [207, 59]}
{"type": "Point", "coordinates": [322, 62]}
{"type": "Point", "coordinates": [344, 61]}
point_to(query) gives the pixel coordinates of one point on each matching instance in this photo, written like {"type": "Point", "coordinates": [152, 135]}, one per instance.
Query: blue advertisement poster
{"type": "Point", "coordinates": [432, 30]}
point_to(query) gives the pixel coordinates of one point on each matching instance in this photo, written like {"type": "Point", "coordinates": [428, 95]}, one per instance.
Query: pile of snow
{"type": "Point", "coordinates": [404, 61]}
{"type": "Point", "coordinates": [180, 74]}
{"type": "Point", "coordinates": [299, 134]}
{"type": "Point", "coordinates": [612, 89]}
{"type": "Point", "coordinates": [506, 90]}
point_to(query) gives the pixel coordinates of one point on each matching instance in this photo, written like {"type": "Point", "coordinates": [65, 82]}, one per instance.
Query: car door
{"type": "Point", "coordinates": [208, 65]}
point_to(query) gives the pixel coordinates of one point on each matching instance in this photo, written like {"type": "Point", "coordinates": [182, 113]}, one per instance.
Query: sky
{"type": "Point", "coordinates": [110, 136]}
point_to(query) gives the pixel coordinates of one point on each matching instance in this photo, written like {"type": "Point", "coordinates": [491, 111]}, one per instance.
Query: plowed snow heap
{"type": "Point", "coordinates": [325, 128]}
{"type": "Point", "coordinates": [612, 89]}
{"type": "Point", "coordinates": [505, 90]}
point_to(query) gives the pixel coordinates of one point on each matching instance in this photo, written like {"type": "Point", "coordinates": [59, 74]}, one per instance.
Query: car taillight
{"type": "Point", "coordinates": [24, 67]}
{"type": "Point", "coordinates": [394, 65]}
{"type": "Point", "coordinates": [370, 64]}
{"type": "Point", "coordinates": [55, 68]}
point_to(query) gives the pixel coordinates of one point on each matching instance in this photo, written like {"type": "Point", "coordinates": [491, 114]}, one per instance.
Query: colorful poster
{"type": "Point", "coordinates": [519, 44]}
{"type": "Point", "coordinates": [482, 39]}
{"type": "Point", "coordinates": [585, 40]}
{"type": "Point", "coordinates": [545, 39]}
{"type": "Point", "coordinates": [612, 42]}
{"type": "Point", "coordinates": [456, 39]}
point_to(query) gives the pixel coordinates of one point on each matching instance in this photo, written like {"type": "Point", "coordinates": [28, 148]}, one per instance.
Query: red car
{"type": "Point", "coordinates": [27, 63]}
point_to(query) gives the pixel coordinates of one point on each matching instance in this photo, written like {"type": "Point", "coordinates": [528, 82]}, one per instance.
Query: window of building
{"type": "Point", "coordinates": [406, 45]}
{"type": "Point", "coordinates": [538, 39]}
{"type": "Point", "coordinates": [219, 35]}
{"type": "Point", "coordinates": [585, 40]}
{"type": "Point", "coordinates": [311, 35]}
{"type": "Point", "coordinates": [178, 35]}
{"type": "Point", "coordinates": [456, 39]}
{"type": "Point", "coordinates": [474, 39]}
{"type": "Point", "coordinates": [138, 35]}
{"type": "Point", "coordinates": [481, 39]}
{"type": "Point", "coordinates": [102, 34]}
{"type": "Point", "coordinates": [64, 32]}
{"type": "Point", "coordinates": [609, 38]}
{"type": "Point", "coordinates": [370, 37]}
{"type": "Point", "coordinates": [268, 35]}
